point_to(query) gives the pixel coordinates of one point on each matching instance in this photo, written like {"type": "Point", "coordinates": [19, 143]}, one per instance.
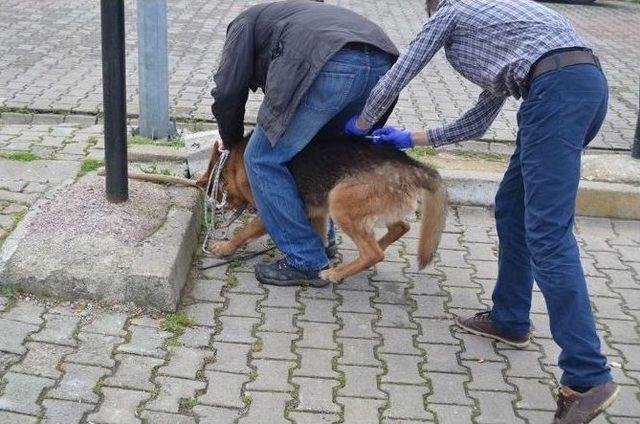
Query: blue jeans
{"type": "Point", "coordinates": [340, 91]}
{"type": "Point", "coordinates": [535, 208]}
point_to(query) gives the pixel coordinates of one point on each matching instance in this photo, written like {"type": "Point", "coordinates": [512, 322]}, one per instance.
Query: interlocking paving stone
{"type": "Point", "coordinates": [535, 394]}
{"type": "Point", "coordinates": [279, 320]}
{"type": "Point", "coordinates": [356, 325]}
{"type": "Point", "coordinates": [266, 408]}
{"type": "Point", "coordinates": [361, 411]}
{"type": "Point", "coordinates": [407, 402]}
{"type": "Point", "coordinates": [95, 349]}
{"type": "Point", "coordinates": [133, 372]}
{"type": "Point", "coordinates": [313, 418]}
{"type": "Point", "coordinates": [184, 362]}
{"type": "Point", "coordinates": [451, 414]}
{"type": "Point", "coordinates": [398, 340]}
{"type": "Point", "coordinates": [318, 310]}
{"type": "Point", "coordinates": [316, 394]}
{"type": "Point", "coordinates": [171, 391]}
{"type": "Point", "coordinates": [8, 359]}
{"type": "Point", "coordinates": [435, 331]}
{"type": "Point", "coordinates": [202, 313]}
{"type": "Point", "coordinates": [26, 312]}
{"type": "Point", "coordinates": [476, 348]}
{"type": "Point", "coordinates": [355, 301]}
{"type": "Point", "coordinates": [165, 418]}
{"type": "Point", "coordinates": [231, 357]}
{"type": "Point", "coordinates": [276, 346]}
{"type": "Point", "coordinates": [442, 358]}
{"type": "Point", "coordinates": [487, 376]}
{"type": "Point", "coordinates": [106, 323]}
{"type": "Point", "coordinates": [394, 316]}
{"type": "Point", "coordinates": [272, 375]}
{"type": "Point", "coordinates": [77, 383]}
{"type": "Point", "coordinates": [523, 363]}
{"type": "Point", "coordinates": [495, 407]}
{"type": "Point", "coordinates": [224, 389]}
{"type": "Point", "coordinates": [22, 391]}
{"type": "Point", "coordinates": [58, 329]}
{"type": "Point", "coordinates": [236, 329]}
{"type": "Point", "coordinates": [628, 404]}
{"type": "Point", "coordinates": [316, 363]}
{"type": "Point", "coordinates": [430, 307]}
{"type": "Point", "coordinates": [358, 352]}
{"type": "Point", "coordinates": [360, 382]}
{"type": "Point", "coordinates": [42, 360]}
{"type": "Point", "coordinates": [317, 335]}
{"type": "Point", "coordinates": [63, 411]}
{"type": "Point", "coordinates": [283, 297]}
{"type": "Point", "coordinates": [146, 341]}
{"type": "Point", "coordinates": [402, 369]}
{"type": "Point", "coordinates": [216, 415]}
{"type": "Point", "coordinates": [10, 417]}
{"type": "Point", "coordinates": [196, 337]}
{"type": "Point", "coordinates": [242, 305]}
{"type": "Point", "coordinates": [207, 290]}
{"type": "Point", "coordinates": [448, 388]}
{"type": "Point", "coordinates": [118, 407]}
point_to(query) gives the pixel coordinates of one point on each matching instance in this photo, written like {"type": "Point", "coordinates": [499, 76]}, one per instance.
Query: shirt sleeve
{"type": "Point", "coordinates": [472, 124]}
{"type": "Point", "coordinates": [232, 83]}
{"type": "Point", "coordinates": [429, 40]}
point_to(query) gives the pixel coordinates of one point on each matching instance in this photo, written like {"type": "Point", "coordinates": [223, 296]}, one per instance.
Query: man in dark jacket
{"type": "Point", "coordinates": [316, 64]}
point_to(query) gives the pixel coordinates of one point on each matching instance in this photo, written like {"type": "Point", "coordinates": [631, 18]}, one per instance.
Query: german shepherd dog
{"type": "Point", "coordinates": [355, 182]}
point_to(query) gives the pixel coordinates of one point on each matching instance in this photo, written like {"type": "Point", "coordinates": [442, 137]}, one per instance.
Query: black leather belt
{"type": "Point", "coordinates": [553, 61]}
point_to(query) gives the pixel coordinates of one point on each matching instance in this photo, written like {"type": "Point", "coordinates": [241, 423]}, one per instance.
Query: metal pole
{"type": "Point", "coordinates": [153, 69]}
{"type": "Point", "coordinates": [114, 100]}
{"type": "Point", "coordinates": [635, 149]}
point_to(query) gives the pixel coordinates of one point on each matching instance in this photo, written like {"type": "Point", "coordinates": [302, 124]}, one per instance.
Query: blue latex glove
{"type": "Point", "coordinates": [399, 138]}
{"type": "Point", "coordinates": [352, 127]}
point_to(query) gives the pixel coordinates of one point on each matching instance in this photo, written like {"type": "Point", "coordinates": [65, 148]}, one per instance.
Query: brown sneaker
{"type": "Point", "coordinates": [580, 408]}
{"type": "Point", "coordinates": [481, 325]}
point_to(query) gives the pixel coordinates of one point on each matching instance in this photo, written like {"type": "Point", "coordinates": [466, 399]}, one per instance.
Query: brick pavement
{"type": "Point", "coordinates": [379, 348]}
{"type": "Point", "coordinates": [50, 60]}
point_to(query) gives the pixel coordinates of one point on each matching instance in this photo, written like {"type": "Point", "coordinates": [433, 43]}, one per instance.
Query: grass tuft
{"type": "Point", "coordinates": [187, 403]}
{"type": "Point", "coordinates": [139, 140]}
{"type": "Point", "coordinates": [20, 155]}
{"type": "Point", "coordinates": [176, 323]}
{"type": "Point", "coordinates": [89, 165]}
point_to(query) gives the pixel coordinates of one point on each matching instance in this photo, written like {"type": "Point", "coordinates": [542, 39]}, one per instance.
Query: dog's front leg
{"type": "Point", "coordinates": [252, 231]}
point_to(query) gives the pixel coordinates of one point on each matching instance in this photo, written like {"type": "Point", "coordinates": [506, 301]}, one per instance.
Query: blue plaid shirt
{"type": "Point", "coordinates": [492, 43]}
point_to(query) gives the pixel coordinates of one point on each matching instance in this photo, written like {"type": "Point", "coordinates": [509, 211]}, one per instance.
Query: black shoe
{"type": "Point", "coordinates": [282, 274]}
{"type": "Point", "coordinates": [331, 250]}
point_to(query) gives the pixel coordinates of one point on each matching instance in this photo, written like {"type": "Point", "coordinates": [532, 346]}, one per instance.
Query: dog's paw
{"type": "Point", "coordinates": [223, 248]}
{"type": "Point", "coordinates": [330, 275]}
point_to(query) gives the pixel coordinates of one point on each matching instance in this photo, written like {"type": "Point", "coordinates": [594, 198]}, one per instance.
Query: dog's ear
{"type": "Point", "coordinates": [215, 154]}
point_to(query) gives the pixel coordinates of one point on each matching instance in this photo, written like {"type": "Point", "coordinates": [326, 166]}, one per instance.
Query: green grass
{"type": "Point", "coordinates": [187, 403]}
{"type": "Point", "coordinates": [139, 140]}
{"type": "Point", "coordinates": [421, 152]}
{"type": "Point", "coordinates": [173, 342]}
{"type": "Point", "coordinates": [237, 263]}
{"type": "Point", "coordinates": [3, 386]}
{"type": "Point", "coordinates": [20, 155]}
{"type": "Point", "coordinates": [471, 154]}
{"type": "Point", "coordinates": [90, 165]}
{"type": "Point", "coordinates": [176, 323]}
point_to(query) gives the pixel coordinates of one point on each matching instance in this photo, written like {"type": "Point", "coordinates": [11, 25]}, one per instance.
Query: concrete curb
{"type": "Point", "coordinates": [599, 199]}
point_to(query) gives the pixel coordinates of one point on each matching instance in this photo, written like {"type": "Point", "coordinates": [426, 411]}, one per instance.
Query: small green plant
{"type": "Point", "coordinates": [137, 139]}
{"type": "Point", "coordinates": [232, 281]}
{"type": "Point", "coordinates": [246, 399]}
{"type": "Point", "coordinates": [9, 291]}
{"type": "Point", "coordinates": [211, 359]}
{"type": "Point", "coordinates": [471, 154]}
{"type": "Point", "coordinates": [421, 152]}
{"type": "Point", "coordinates": [237, 263]}
{"type": "Point", "coordinates": [257, 346]}
{"type": "Point", "coordinates": [200, 375]}
{"type": "Point", "coordinates": [93, 140]}
{"type": "Point", "coordinates": [89, 165]}
{"type": "Point", "coordinates": [20, 155]}
{"type": "Point", "coordinates": [187, 403]}
{"type": "Point", "coordinates": [173, 342]}
{"type": "Point", "coordinates": [97, 389]}
{"type": "Point", "coordinates": [176, 323]}
{"type": "Point", "coordinates": [3, 386]}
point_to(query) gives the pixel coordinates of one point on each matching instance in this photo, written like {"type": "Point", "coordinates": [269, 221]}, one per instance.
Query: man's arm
{"type": "Point", "coordinates": [472, 124]}
{"type": "Point", "coordinates": [232, 82]}
{"type": "Point", "coordinates": [429, 40]}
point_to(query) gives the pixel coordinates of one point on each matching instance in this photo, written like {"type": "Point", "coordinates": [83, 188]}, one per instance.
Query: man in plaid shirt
{"type": "Point", "coordinates": [522, 49]}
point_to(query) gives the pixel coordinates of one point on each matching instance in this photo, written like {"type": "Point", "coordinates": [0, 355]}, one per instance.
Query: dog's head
{"type": "Point", "coordinates": [233, 178]}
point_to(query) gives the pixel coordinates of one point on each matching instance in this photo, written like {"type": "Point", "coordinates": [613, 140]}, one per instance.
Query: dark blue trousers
{"type": "Point", "coordinates": [535, 207]}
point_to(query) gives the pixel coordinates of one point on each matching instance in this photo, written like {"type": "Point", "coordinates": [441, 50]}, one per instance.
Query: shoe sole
{"type": "Point", "coordinates": [318, 283]}
{"type": "Point", "coordinates": [519, 345]}
{"type": "Point", "coordinates": [607, 403]}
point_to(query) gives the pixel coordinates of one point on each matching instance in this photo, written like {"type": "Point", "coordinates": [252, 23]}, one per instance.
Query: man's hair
{"type": "Point", "coordinates": [432, 6]}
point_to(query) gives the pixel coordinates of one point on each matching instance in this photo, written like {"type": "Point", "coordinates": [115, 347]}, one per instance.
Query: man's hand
{"type": "Point", "coordinates": [352, 127]}
{"type": "Point", "coordinates": [399, 138]}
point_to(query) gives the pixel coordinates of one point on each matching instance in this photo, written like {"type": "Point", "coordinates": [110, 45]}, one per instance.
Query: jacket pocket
{"type": "Point", "coordinates": [284, 79]}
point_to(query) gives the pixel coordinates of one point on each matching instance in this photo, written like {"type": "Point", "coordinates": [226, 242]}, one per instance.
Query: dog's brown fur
{"type": "Point", "coordinates": [385, 193]}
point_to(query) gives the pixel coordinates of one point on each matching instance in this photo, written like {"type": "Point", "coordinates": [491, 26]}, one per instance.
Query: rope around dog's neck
{"type": "Point", "coordinates": [215, 218]}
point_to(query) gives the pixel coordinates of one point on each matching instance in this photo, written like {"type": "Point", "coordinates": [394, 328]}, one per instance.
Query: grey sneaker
{"type": "Point", "coordinates": [481, 325]}
{"type": "Point", "coordinates": [580, 408]}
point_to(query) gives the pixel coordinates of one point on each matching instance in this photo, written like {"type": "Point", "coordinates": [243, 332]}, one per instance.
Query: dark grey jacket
{"type": "Point", "coordinates": [281, 47]}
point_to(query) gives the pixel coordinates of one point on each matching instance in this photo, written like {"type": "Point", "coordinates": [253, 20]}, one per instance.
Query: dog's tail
{"type": "Point", "coordinates": [432, 220]}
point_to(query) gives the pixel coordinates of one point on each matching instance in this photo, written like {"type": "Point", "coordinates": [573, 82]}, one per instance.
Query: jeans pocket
{"type": "Point", "coordinates": [329, 91]}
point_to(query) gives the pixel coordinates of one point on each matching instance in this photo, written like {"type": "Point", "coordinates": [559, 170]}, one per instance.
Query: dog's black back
{"type": "Point", "coordinates": [328, 159]}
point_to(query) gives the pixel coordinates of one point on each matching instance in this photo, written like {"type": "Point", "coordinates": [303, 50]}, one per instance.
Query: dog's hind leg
{"type": "Point", "coordinates": [253, 230]}
{"type": "Point", "coordinates": [394, 232]}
